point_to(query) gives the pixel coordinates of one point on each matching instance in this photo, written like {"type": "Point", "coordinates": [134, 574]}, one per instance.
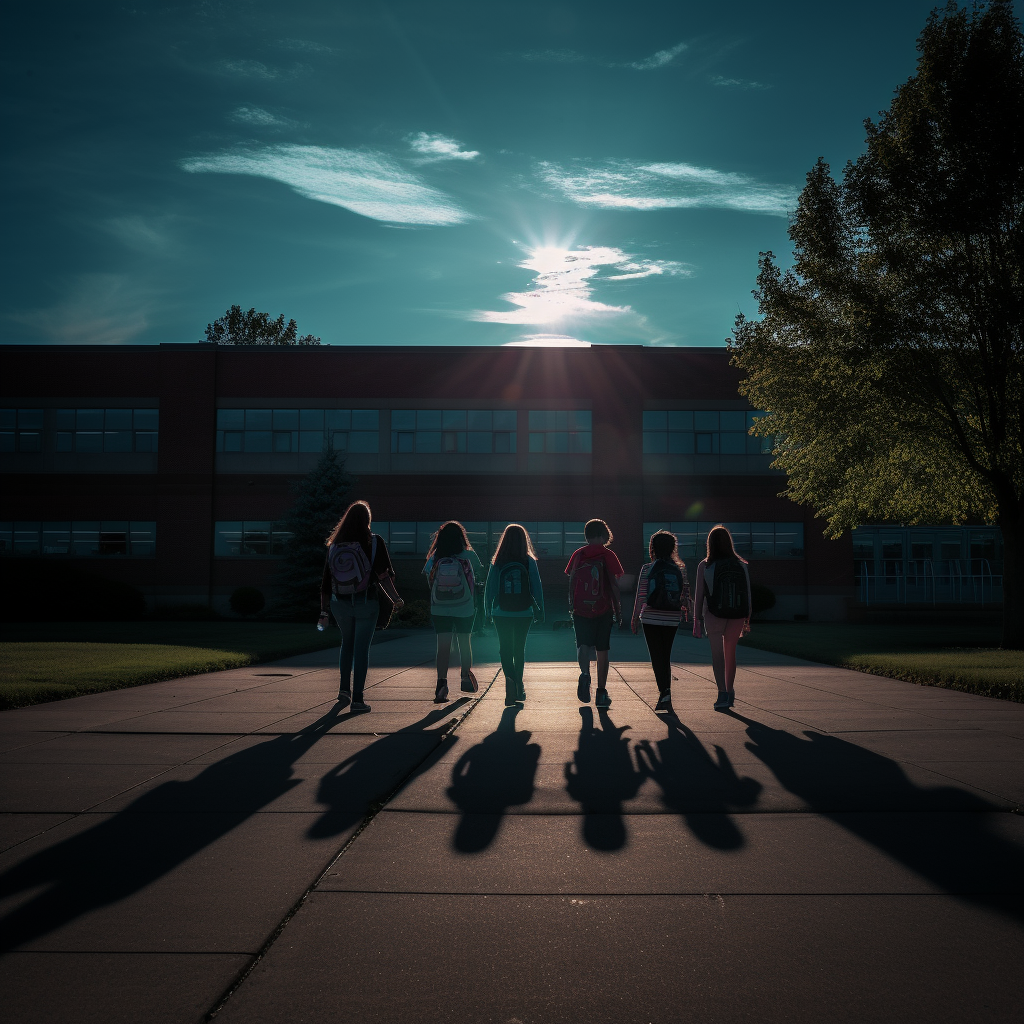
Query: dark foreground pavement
{"type": "Point", "coordinates": [839, 847]}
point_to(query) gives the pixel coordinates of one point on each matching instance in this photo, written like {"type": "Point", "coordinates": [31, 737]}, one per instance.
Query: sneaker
{"type": "Point", "coordinates": [664, 702]}
{"type": "Point", "coordinates": [344, 699]}
{"type": "Point", "coordinates": [520, 691]}
{"type": "Point", "coordinates": [359, 705]}
{"type": "Point", "coordinates": [441, 693]}
{"type": "Point", "coordinates": [723, 701]}
{"type": "Point", "coordinates": [602, 700]}
{"type": "Point", "coordinates": [583, 687]}
{"type": "Point", "coordinates": [470, 683]}
{"type": "Point", "coordinates": [732, 698]}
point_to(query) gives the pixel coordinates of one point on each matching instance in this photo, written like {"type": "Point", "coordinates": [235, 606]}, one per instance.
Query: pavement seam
{"type": "Point", "coordinates": [373, 811]}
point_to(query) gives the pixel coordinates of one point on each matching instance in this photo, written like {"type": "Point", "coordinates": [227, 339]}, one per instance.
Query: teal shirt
{"type": "Point", "coordinates": [491, 594]}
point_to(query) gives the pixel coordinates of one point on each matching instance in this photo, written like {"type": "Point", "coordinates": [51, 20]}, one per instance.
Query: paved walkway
{"type": "Point", "coordinates": [839, 847]}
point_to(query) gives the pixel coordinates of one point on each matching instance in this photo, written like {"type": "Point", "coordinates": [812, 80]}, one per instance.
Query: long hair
{"type": "Point", "coordinates": [353, 525]}
{"type": "Point", "coordinates": [449, 540]}
{"type": "Point", "coordinates": [720, 545]}
{"type": "Point", "coordinates": [663, 546]}
{"type": "Point", "coordinates": [515, 546]}
{"type": "Point", "coordinates": [597, 528]}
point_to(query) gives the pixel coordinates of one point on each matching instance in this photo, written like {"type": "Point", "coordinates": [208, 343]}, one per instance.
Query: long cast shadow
{"type": "Point", "coordinates": [602, 776]}
{"type": "Point", "coordinates": [154, 834]}
{"type": "Point", "coordinates": [956, 850]}
{"type": "Point", "coordinates": [490, 777]}
{"type": "Point", "coordinates": [701, 788]}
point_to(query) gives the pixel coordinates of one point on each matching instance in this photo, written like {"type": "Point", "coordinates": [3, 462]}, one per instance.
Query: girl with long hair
{"type": "Point", "coordinates": [661, 606]}
{"type": "Point", "coordinates": [514, 599]}
{"type": "Point", "coordinates": [723, 603]}
{"type": "Point", "coordinates": [358, 576]}
{"type": "Point", "coordinates": [454, 571]}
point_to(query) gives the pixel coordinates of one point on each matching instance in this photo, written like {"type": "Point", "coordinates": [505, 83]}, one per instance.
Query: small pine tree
{"type": "Point", "coordinates": [320, 499]}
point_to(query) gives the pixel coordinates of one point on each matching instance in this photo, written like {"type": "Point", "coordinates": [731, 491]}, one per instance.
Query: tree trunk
{"type": "Point", "coordinates": [1012, 525]}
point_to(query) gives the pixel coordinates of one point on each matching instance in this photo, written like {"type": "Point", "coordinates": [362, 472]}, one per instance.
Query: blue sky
{"type": "Point", "coordinates": [421, 173]}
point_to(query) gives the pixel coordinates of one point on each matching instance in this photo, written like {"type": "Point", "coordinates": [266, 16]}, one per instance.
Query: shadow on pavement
{"type": "Point", "coordinates": [166, 826]}
{"type": "Point", "coordinates": [957, 850]}
{"type": "Point", "coordinates": [704, 790]}
{"type": "Point", "coordinates": [490, 777]}
{"type": "Point", "coordinates": [601, 776]}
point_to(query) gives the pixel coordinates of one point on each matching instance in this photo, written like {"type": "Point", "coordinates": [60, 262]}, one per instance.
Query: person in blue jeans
{"type": "Point", "coordinates": [514, 599]}
{"type": "Point", "coordinates": [353, 585]}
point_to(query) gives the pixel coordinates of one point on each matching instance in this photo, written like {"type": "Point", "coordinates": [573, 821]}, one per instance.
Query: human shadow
{"type": "Point", "coordinates": [601, 777]}
{"type": "Point", "coordinates": [150, 837]}
{"type": "Point", "coordinates": [701, 788]}
{"type": "Point", "coordinates": [372, 773]}
{"type": "Point", "coordinates": [939, 832]}
{"type": "Point", "coordinates": [490, 777]}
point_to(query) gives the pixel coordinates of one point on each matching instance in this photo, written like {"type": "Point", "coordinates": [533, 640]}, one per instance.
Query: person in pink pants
{"type": "Point", "coordinates": [723, 587]}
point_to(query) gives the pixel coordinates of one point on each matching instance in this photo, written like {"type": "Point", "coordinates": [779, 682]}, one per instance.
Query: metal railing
{"type": "Point", "coordinates": [924, 581]}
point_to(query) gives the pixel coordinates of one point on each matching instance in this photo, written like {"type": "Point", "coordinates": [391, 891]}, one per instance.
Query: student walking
{"type": "Point", "coordinates": [453, 569]}
{"type": "Point", "coordinates": [662, 600]}
{"type": "Point", "coordinates": [722, 600]}
{"type": "Point", "coordinates": [514, 598]}
{"type": "Point", "coordinates": [595, 604]}
{"type": "Point", "coordinates": [358, 578]}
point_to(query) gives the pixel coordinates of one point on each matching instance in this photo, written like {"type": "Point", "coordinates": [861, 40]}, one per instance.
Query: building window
{"type": "Point", "coordinates": [21, 430]}
{"type": "Point", "coordinates": [107, 539]}
{"type": "Point", "coordinates": [282, 431]}
{"type": "Point", "coordinates": [453, 431]}
{"type": "Point", "coordinates": [752, 540]}
{"type": "Point", "coordinates": [262, 539]}
{"type": "Point", "coordinates": [550, 539]}
{"type": "Point", "coordinates": [107, 430]}
{"type": "Point", "coordinates": [701, 432]}
{"type": "Point", "coordinates": [564, 431]}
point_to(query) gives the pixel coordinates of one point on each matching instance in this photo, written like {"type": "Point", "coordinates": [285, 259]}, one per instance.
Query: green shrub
{"type": "Point", "coordinates": [413, 613]}
{"type": "Point", "coordinates": [36, 589]}
{"type": "Point", "coordinates": [186, 613]}
{"type": "Point", "coordinates": [247, 601]}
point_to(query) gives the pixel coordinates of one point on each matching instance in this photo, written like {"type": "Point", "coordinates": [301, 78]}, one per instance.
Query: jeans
{"type": "Point", "coordinates": [512, 632]}
{"type": "Point", "coordinates": [357, 619]}
{"type": "Point", "coordinates": [659, 644]}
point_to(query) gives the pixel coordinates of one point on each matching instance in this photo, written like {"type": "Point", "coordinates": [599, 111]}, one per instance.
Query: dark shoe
{"type": "Point", "coordinates": [359, 705]}
{"type": "Point", "coordinates": [723, 701]}
{"type": "Point", "coordinates": [583, 688]}
{"type": "Point", "coordinates": [602, 700]}
{"type": "Point", "coordinates": [441, 693]}
{"type": "Point", "coordinates": [520, 691]}
{"type": "Point", "coordinates": [732, 698]}
{"type": "Point", "coordinates": [664, 702]}
{"type": "Point", "coordinates": [511, 697]}
{"type": "Point", "coordinates": [344, 699]}
{"type": "Point", "coordinates": [470, 684]}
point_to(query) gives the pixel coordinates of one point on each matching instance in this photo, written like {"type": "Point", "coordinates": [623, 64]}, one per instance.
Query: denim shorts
{"type": "Point", "coordinates": [596, 632]}
{"type": "Point", "coordinates": [453, 623]}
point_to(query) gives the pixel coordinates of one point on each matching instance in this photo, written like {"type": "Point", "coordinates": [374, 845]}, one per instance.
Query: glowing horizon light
{"type": "Point", "coordinates": [547, 341]}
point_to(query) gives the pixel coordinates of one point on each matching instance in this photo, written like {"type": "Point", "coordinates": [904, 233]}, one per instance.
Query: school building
{"type": "Point", "coordinates": [171, 467]}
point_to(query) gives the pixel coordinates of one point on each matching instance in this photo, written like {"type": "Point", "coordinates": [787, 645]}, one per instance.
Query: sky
{"type": "Point", "coordinates": [423, 173]}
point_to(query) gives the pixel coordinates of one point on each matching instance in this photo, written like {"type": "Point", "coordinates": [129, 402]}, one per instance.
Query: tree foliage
{"type": "Point", "coordinates": [889, 356]}
{"type": "Point", "coordinates": [320, 499]}
{"type": "Point", "coordinates": [236, 327]}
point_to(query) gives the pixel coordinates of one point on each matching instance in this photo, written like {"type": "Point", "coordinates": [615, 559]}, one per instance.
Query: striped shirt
{"type": "Point", "coordinates": [657, 616]}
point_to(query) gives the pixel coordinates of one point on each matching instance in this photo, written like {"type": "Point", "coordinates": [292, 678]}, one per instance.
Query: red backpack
{"type": "Point", "coordinates": [590, 587]}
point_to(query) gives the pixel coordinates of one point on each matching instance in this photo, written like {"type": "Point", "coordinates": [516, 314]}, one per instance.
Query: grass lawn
{"type": "Point", "coordinates": [53, 660]}
{"type": "Point", "coordinates": [959, 657]}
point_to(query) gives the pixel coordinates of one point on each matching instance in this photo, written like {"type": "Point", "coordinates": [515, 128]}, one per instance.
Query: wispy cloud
{"type": "Point", "coordinates": [368, 183]}
{"type": "Point", "coordinates": [553, 56]}
{"type": "Point", "coordinates": [630, 185]}
{"type": "Point", "coordinates": [561, 294]}
{"type": "Point", "coordinates": [260, 118]}
{"type": "Point", "coordinates": [737, 83]}
{"type": "Point", "coordinates": [305, 46]}
{"type": "Point", "coordinates": [657, 60]}
{"type": "Point", "coordinates": [431, 148]}
{"type": "Point", "coordinates": [257, 69]}
{"type": "Point", "coordinates": [149, 235]}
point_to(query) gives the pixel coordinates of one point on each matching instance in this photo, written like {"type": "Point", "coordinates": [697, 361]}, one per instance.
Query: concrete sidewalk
{"type": "Point", "coordinates": [838, 847]}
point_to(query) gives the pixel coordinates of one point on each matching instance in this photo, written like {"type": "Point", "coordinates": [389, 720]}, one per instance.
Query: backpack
{"type": "Point", "coordinates": [350, 568]}
{"type": "Point", "coordinates": [664, 586]}
{"type": "Point", "coordinates": [451, 588]}
{"type": "Point", "coordinates": [588, 588]}
{"type": "Point", "coordinates": [514, 592]}
{"type": "Point", "coordinates": [728, 600]}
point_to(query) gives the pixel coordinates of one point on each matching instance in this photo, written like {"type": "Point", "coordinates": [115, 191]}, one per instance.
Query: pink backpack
{"type": "Point", "coordinates": [350, 568]}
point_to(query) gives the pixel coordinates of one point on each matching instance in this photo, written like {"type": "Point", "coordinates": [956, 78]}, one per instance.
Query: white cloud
{"type": "Point", "coordinates": [250, 69]}
{"type": "Point", "coordinates": [305, 46]}
{"type": "Point", "coordinates": [141, 234]}
{"type": "Point", "coordinates": [657, 60]}
{"type": "Point", "coordinates": [370, 184]}
{"type": "Point", "coordinates": [431, 148]}
{"type": "Point", "coordinates": [261, 118]}
{"type": "Point", "coordinates": [98, 309]}
{"type": "Point", "coordinates": [627, 184]}
{"type": "Point", "coordinates": [737, 83]}
{"type": "Point", "coordinates": [561, 294]}
{"type": "Point", "coordinates": [547, 341]}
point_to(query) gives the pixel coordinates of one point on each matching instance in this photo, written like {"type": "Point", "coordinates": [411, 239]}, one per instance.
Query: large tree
{"type": "Point", "coordinates": [236, 327]}
{"type": "Point", "coordinates": [889, 356]}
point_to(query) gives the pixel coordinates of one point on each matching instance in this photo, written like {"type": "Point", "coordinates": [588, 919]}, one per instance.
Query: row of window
{"type": "Point", "coordinates": [80, 539]}
{"type": "Point", "coordinates": [751, 540]}
{"type": "Point", "coordinates": [703, 432]}
{"type": "Point", "coordinates": [261, 539]}
{"type": "Point", "coordinates": [470, 431]}
{"type": "Point", "coordinates": [873, 544]}
{"type": "Point", "coordinates": [297, 430]}
{"type": "Point", "coordinates": [80, 430]}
